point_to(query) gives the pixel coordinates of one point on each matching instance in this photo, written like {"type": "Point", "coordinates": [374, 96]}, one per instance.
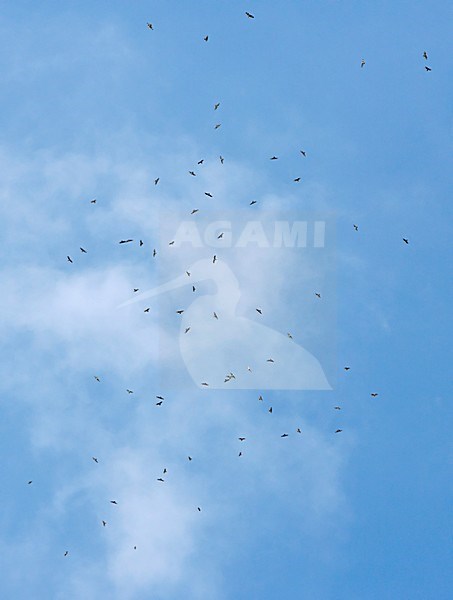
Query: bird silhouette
{"type": "Point", "coordinates": [222, 160]}
{"type": "Point", "coordinates": [216, 106]}
{"type": "Point", "coordinates": [160, 479]}
{"type": "Point", "coordinates": [156, 181]}
{"type": "Point", "coordinates": [146, 310]}
{"type": "Point", "coordinates": [362, 64]}
{"type": "Point", "coordinates": [206, 38]}
{"type": "Point", "coordinates": [113, 502]}
{"type": "Point", "coordinates": [66, 553]}
{"type": "Point", "coordinates": [83, 250]}
{"type": "Point", "coordinates": [284, 435]}
{"type": "Point", "coordinates": [258, 310]}
{"type": "Point", "coordinates": [69, 259]}
{"type": "Point", "coordinates": [200, 162]}
{"type": "Point", "coordinates": [217, 126]}
{"type": "Point", "coordinates": [338, 431]}
{"type": "Point", "coordinates": [428, 68]}
{"type": "Point", "coordinates": [270, 410]}
{"type": "Point", "coordinates": [405, 240]}
{"type": "Point", "coordinates": [373, 395]}
{"type": "Point", "coordinates": [303, 152]}
{"type": "Point", "coordinates": [97, 378]}
{"type": "Point", "coordinates": [159, 403]}
{"type": "Point", "coordinates": [141, 243]}
{"type": "Point", "coordinates": [274, 158]}
{"type": "Point", "coordinates": [208, 194]}
{"type": "Point", "coordinates": [425, 55]}
{"type": "Point", "coordinates": [95, 459]}
{"type": "Point", "coordinates": [192, 173]}
{"type": "Point", "coordinates": [297, 179]}
{"type": "Point", "coordinates": [249, 15]}
{"type": "Point", "coordinates": [125, 241]}
{"type": "Point", "coordinates": [160, 397]}
{"type": "Point", "coordinates": [93, 201]}
{"type": "Point", "coordinates": [104, 523]}
{"type": "Point", "coordinates": [130, 391]}
{"type": "Point", "coordinates": [150, 26]}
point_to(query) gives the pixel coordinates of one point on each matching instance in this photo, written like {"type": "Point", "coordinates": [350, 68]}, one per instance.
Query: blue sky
{"type": "Point", "coordinates": [96, 105]}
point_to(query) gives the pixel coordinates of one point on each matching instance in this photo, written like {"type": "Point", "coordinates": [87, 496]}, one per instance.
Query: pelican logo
{"type": "Point", "coordinates": [228, 309]}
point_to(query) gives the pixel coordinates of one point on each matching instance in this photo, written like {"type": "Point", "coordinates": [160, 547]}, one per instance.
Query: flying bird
{"type": "Point", "coordinates": [97, 378]}
{"type": "Point", "coordinates": [206, 38]}
{"type": "Point", "coordinates": [179, 312]}
{"type": "Point", "coordinates": [337, 407]}
{"type": "Point", "coordinates": [208, 194]}
{"type": "Point", "coordinates": [193, 288]}
{"type": "Point", "coordinates": [214, 314]}
{"type": "Point", "coordinates": [362, 64]}
{"type": "Point", "coordinates": [113, 502]}
{"type": "Point", "coordinates": [222, 160]}
{"type": "Point", "coordinates": [189, 457]}
{"type": "Point", "coordinates": [405, 240]}
{"type": "Point", "coordinates": [270, 360]}
{"type": "Point", "coordinates": [214, 258]}
{"type": "Point", "coordinates": [154, 252]}
{"type": "Point", "coordinates": [241, 439]}
{"type": "Point", "coordinates": [130, 391]}
{"type": "Point", "coordinates": [195, 210]}
{"type": "Point", "coordinates": [171, 243]}
{"type": "Point", "coordinates": [284, 435]}
{"type": "Point", "coordinates": [274, 158]}
{"type": "Point", "coordinates": [260, 398]}
{"type": "Point", "coordinates": [83, 250]}
{"type": "Point", "coordinates": [298, 430]}
{"type": "Point", "coordinates": [338, 431]}
{"type": "Point", "coordinates": [318, 295]}
{"type": "Point", "coordinates": [205, 384]}
{"type": "Point", "coordinates": [253, 202]}
{"type": "Point", "coordinates": [297, 179]}
{"type": "Point", "coordinates": [249, 15]}
{"type": "Point", "coordinates": [69, 259]}
{"type": "Point", "coordinates": [146, 310]}
{"type": "Point", "coordinates": [160, 397]}
{"type": "Point", "coordinates": [290, 336]}
{"type": "Point", "coordinates": [270, 410]}
{"type": "Point", "coordinates": [160, 479]}
{"type": "Point", "coordinates": [135, 290]}
{"type": "Point", "coordinates": [258, 310]}
{"type": "Point", "coordinates": [220, 236]}
{"type": "Point", "coordinates": [303, 153]}
{"type": "Point", "coordinates": [199, 509]}
{"type": "Point", "coordinates": [373, 395]}
{"type": "Point", "coordinates": [66, 553]}
{"type": "Point", "coordinates": [200, 162]}
{"type": "Point", "coordinates": [216, 106]}
{"type": "Point", "coordinates": [356, 227]}
{"type": "Point", "coordinates": [240, 454]}
{"type": "Point", "coordinates": [30, 482]}
{"type": "Point", "coordinates": [428, 68]}
{"type": "Point", "coordinates": [141, 243]}
{"type": "Point", "coordinates": [104, 523]}
{"type": "Point", "coordinates": [125, 241]}
{"type": "Point", "coordinates": [347, 368]}
{"type": "Point", "coordinates": [159, 403]}
{"type": "Point", "coordinates": [187, 330]}
{"type": "Point", "coordinates": [217, 126]}
{"type": "Point", "coordinates": [95, 459]}
{"type": "Point", "coordinates": [150, 26]}
{"type": "Point", "coordinates": [192, 173]}
{"type": "Point", "coordinates": [156, 181]}
{"type": "Point", "coordinates": [93, 201]}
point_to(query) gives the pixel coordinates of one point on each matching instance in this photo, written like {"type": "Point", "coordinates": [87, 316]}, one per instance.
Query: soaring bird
{"type": "Point", "coordinates": [156, 181]}
{"type": "Point", "coordinates": [187, 330]}
{"type": "Point", "coordinates": [270, 410]}
{"type": "Point", "coordinates": [356, 227]}
{"type": "Point", "coordinates": [159, 403]}
{"type": "Point", "coordinates": [141, 243]}
{"type": "Point", "coordinates": [195, 210]}
{"type": "Point", "coordinates": [284, 435]}
{"type": "Point", "coordinates": [318, 295]}
{"type": "Point", "coordinates": [199, 509]}
{"type": "Point", "coordinates": [125, 241]}
{"type": "Point", "coordinates": [192, 173]}
{"type": "Point", "coordinates": [260, 398]}
{"type": "Point", "coordinates": [200, 162]}
{"type": "Point", "coordinates": [222, 160]}
{"type": "Point", "coordinates": [208, 194]}
{"type": "Point", "coordinates": [69, 259]}
{"type": "Point", "coordinates": [220, 236]}
{"type": "Point", "coordinates": [258, 310]}
{"type": "Point", "coordinates": [160, 479]}
{"type": "Point", "coordinates": [428, 68]}
{"type": "Point", "coordinates": [297, 179]}
{"type": "Point", "coordinates": [164, 471]}
{"type": "Point", "coordinates": [298, 430]}
{"type": "Point", "coordinates": [205, 384]}
{"type": "Point", "coordinates": [405, 240]}
{"type": "Point", "coordinates": [216, 106]}
{"type": "Point", "coordinates": [150, 26]}
{"type": "Point", "coordinates": [425, 55]}
{"type": "Point", "coordinates": [362, 64]}
{"type": "Point", "coordinates": [193, 288]}
{"type": "Point", "coordinates": [303, 153]}
{"type": "Point", "coordinates": [154, 252]}
{"type": "Point", "coordinates": [30, 482]}
{"type": "Point", "coordinates": [373, 395]}
{"type": "Point", "coordinates": [95, 459]}
{"type": "Point", "coordinates": [113, 502]}
{"type": "Point", "coordinates": [93, 201]}
{"type": "Point", "coordinates": [214, 258]}
{"type": "Point", "coordinates": [337, 407]}
{"type": "Point", "coordinates": [179, 312]}
{"type": "Point", "coordinates": [130, 391]}
{"type": "Point", "coordinates": [253, 202]}
{"type": "Point", "coordinates": [160, 397]}
{"type": "Point", "coordinates": [240, 454]}
{"type": "Point", "coordinates": [214, 314]}
{"type": "Point", "coordinates": [274, 158]}
{"type": "Point", "coordinates": [97, 378]}
{"type": "Point", "coordinates": [206, 38]}
{"type": "Point", "coordinates": [270, 360]}
{"type": "Point", "coordinates": [171, 243]}
{"type": "Point", "coordinates": [83, 250]}
{"type": "Point", "coordinates": [217, 126]}
{"type": "Point", "coordinates": [249, 15]}
{"type": "Point", "coordinates": [189, 457]}
{"type": "Point", "coordinates": [290, 336]}
{"type": "Point", "coordinates": [338, 431]}
{"type": "Point", "coordinates": [66, 553]}
{"type": "Point", "coordinates": [104, 523]}
{"type": "Point", "coordinates": [347, 368]}
{"type": "Point", "coordinates": [136, 290]}
{"type": "Point", "coordinates": [241, 439]}
{"type": "Point", "coordinates": [146, 310]}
